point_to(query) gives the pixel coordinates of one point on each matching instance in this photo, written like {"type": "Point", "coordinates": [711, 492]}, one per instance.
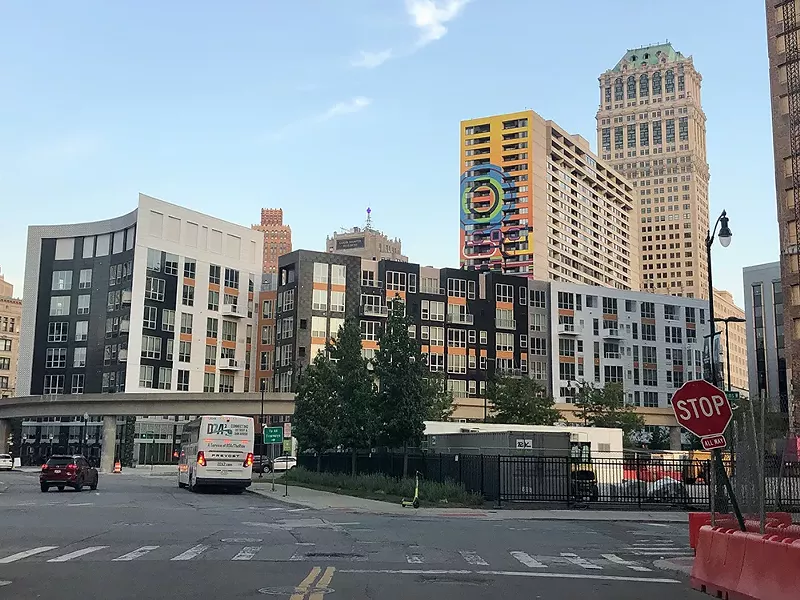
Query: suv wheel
{"type": "Point", "coordinates": [45, 487]}
{"type": "Point", "coordinates": [79, 486]}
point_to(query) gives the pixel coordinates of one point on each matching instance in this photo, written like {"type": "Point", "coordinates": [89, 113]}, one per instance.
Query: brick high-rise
{"type": "Point", "coordinates": [277, 237]}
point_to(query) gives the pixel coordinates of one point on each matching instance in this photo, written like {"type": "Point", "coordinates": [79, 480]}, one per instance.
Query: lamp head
{"type": "Point", "coordinates": [725, 233]}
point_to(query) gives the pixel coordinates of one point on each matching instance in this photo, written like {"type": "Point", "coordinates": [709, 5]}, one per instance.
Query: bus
{"type": "Point", "coordinates": [217, 451]}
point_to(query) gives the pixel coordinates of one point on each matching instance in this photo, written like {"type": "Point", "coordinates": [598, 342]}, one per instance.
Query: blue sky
{"type": "Point", "coordinates": [325, 107]}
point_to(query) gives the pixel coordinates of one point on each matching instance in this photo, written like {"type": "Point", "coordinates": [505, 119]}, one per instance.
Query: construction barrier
{"type": "Point", "coordinates": [698, 519]}
{"type": "Point", "coordinates": [746, 566]}
{"type": "Point", "coordinates": [117, 467]}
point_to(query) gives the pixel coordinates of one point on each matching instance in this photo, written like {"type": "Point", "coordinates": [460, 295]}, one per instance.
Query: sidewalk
{"type": "Point", "coordinates": [318, 500]}
{"type": "Point", "coordinates": [681, 565]}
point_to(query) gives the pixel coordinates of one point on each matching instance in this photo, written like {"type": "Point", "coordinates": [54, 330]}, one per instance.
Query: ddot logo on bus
{"type": "Point", "coordinates": [704, 410]}
{"type": "Point", "coordinates": [219, 429]}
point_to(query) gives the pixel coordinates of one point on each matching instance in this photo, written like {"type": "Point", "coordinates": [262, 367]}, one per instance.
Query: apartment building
{"type": "Point", "coordinates": [366, 242]}
{"type": "Point", "coordinates": [10, 321]}
{"type": "Point", "coordinates": [267, 297]}
{"type": "Point", "coordinates": [733, 339]}
{"type": "Point", "coordinates": [277, 238]}
{"type": "Point", "coordinates": [161, 298]}
{"type": "Point", "coordinates": [766, 339]}
{"type": "Point", "coordinates": [535, 201]}
{"type": "Point", "coordinates": [783, 44]}
{"type": "Point", "coordinates": [651, 129]}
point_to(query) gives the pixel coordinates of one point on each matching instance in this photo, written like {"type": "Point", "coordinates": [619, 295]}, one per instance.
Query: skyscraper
{"type": "Point", "coordinates": [536, 201]}
{"type": "Point", "coordinates": [651, 128]}
{"type": "Point", "coordinates": [784, 79]}
{"type": "Point", "coordinates": [366, 242]}
{"type": "Point", "coordinates": [277, 237]}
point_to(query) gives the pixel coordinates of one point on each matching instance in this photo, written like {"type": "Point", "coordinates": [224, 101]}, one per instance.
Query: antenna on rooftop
{"type": "Point", "coordinates": [368, 224]}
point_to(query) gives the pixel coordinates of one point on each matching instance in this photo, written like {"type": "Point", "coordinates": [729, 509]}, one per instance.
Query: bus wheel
{"type": "Point", "coordinates": [181, 484]}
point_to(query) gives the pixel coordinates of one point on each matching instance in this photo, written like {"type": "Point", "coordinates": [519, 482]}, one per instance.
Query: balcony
{"type": "Point", "coordinates": [611, 333]}
{"type": "Point", "coordinates": [230, 364]}
{"type": "Point", "coordinates": [613, 355]}
{"type": "Point", "coordinates": [372, 310]}
{"type": "Point", "coordinates": [460, 318]}
{"type": "Point", "coordinates": [569, 329]}
{"type": "Point", "coordinates": [427, 289]}
{"type": "Point", "coordinates": [509, 372]}
{"type": "Point", "coordinates": [233, 310]}
{"type": "Point", "coordinates": [505, 323]}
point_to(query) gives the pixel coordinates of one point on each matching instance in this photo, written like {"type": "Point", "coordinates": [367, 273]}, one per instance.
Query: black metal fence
{"type": "Point", "coordinates": [632, 481]}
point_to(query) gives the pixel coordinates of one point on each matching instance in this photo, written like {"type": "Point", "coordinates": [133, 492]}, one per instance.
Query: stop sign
{"type": "Point", "coordinates": [702, 408]}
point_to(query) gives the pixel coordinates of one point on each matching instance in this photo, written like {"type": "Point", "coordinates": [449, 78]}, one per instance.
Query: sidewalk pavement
{"type": "Point", "coordinates": [682, 565]}
{"type": "Point", "coordinates": [319, 500]}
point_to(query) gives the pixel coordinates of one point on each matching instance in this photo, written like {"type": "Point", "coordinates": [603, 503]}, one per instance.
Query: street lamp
{"type": "Point", "coordinates": [727, 321]}
{"type": "Point", "coordinates": [85, 425]}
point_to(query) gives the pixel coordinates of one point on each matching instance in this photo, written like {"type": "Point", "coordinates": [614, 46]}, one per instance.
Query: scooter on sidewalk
{"type": "Point", "coordinates": [415, 501]}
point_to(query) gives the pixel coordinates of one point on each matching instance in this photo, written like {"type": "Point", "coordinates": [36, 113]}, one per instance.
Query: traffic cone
{"type": "Point", "coordinates": [117, 467]}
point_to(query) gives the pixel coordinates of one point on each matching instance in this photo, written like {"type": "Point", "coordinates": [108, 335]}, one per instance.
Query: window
{"type": "Point", "coordinates": [154, 260]}
{"type": "Point", "coordinates": [457, 338]}
{"type": "Point", "coordinates": [456, 363]}
{"type": "Point", "coordinates": [631, 130]}
{"type": "Point", "coordinates": [321, 273]}
{"type": "Point", "coordinates": [504, 292]}
{"type": "Point", "coordinates": [185, 352]}
{"type": "Point", "coordinates": [538, 346]}
{"type": "Point", "coordinates": [188, 295]}
{"type": "Point", "coordinates": [154, 289]}
{"type": "Point", "coordinates": [683, 129]}
{"type": "Point", "coordinates": [232, 278]}
{"type": "Point", "coordinates": [457, 288]}
{"type": "Point", "coordinates": [59, 306]}
{"type": "Point", "coordinates": [471, 290]}
{"type": "Point", "coordinates": [288, 300]}
{"type": "Point", "coordinates": [319, 327]}
{"type": "Point", "coordinates": [648, 332]}
{"type": "Point", "coordinates": [396, 281]}
{"type": "Point", "coordinates": [226, 384]}
{"type": "Point", "coordinates": [644, 134]}
{"type": "Point", "coordinates": [670, 128]}
{"type": "Point", "coordinates": [56, 358]}
{"type": "Point", "coordinates": [151, 347]}
{"type": "Point", "coordinates": [673, 335]}
{"type": "Point", "coordinates": [170, 353]}
{"type": "Point", "coordinates": [213, 300]}
{"type": "Point", "coordinates": [648, 310]}
{"type": "Point", "coordinates": [57, 332]}
{"type": "Point", "coordinates": [566, 300]}
{"type": "Point", "coordinates": [53, 384]}
{"type": "Point", "coordinates": [631, 95]}
{"type": "Point", "coordinates": [183, 381]}
{"type": "Point", "coordinates": [484, 337]}
{"type": "Point", "coordinates": [650, 377]}
{"type": "Point", "coordinates": [337, 301]}
{"type": "Point", "coordinates": [613, 374]}
{"type": "Point", "coordinates": [370, 330]}
{"type": "Point", "coordinates": [114, 300]}
{"type": "Point", "coordinates": [644, 85]}
{"type": "Point", "coordinates": [610, 308]}
{"type": "Point", "coordinates": [214, 274]}
{"type": "Point", "coordinates": [266, 309]}
{"type": "Point", "coordinates": [368, 278]}
{"type": "Point", "coordinates": [319, 300]}
{"type": "Point", "coordinates": [436, 336]}
{"type": "Point", "coordinates": [189, 268]}
{"type": "Point", "coordinates": [504, 342]}
{"type": "Point", "coordinates": [436, 362]}
{"type": "Point", "coordinates": [566, 347]}
{"type": "Point", "coordinates": [606, 138]}
{"type": "Point", "coordinates": [538, 299]}
{"type": "Point", "coordinates": [266, 334]}
{"type": "Point", "coordinates": [436, 310]}
{"type": "Point", "coordinates": [538, 370]}
{"type": "Point", "coordinates": [212, 326]}
{"type": "Point", "coordinates": [657, 133]}
{"type": "Point", "coordinates": [211, 355]}
{"type": "Point", "coordinates": [85, 281]}
{"type": "Point", "coordinates": [209, 383]}
{"type": "Point", "coordinates": [62, 281]}
{"type": "Point", "coordinates": [165, 378]}
{"type": "Point", "coordinates": [150, 317]}
{"type": "Point", "coordinates": [338, 274]}
{"type": "Point", "coordinates": [229, 331]}
{"type": "Point", "coordinates": [81, 331]}
{"type": "Point", "coordinates": [186, 322]}
{"type": "Point", "coordinates": [167, 319]}
{"type": "Point", "coordinates": [78, 380]}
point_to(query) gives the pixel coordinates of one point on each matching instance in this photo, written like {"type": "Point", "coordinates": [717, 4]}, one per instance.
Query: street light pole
{"type": "Point", "coordinates": [85, 425]}
{"type": "Point", "coordinates": [727, 321]}
{"type": "Point", "coordinates": [261, 423]}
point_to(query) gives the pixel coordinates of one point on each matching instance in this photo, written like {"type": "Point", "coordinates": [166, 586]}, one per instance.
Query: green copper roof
{"type": "Point", "coordinates": [652, 55]}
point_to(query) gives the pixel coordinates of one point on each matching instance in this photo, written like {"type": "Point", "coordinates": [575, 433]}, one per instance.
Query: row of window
{"type": "Point", "coordinates": [671, 312]}
{"type": "Point", "coordinates": [164, 262]}
{"type": "Point", "coordinates": [629, 87]}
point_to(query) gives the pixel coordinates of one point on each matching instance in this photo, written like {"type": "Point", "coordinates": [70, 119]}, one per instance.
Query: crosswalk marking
{"type": "Point", "coordinates": [25, 554]}
{"type": "Point", "coordinates": [414, 559]}
{"type": "Point", "coordinates": [663, 552]}
{"type": "Point", "coordinates": [527, 560]}
{"type": "Point", "coordinates": [581, 562]}
{"type": "Point", "coordinates": [139, 552]}
{"type": "Point", "coordinates": [620, 561]}
{"type": "Point", "coordinates": [191, 553]}
{"type": "Point", "coordinates": [247, 553]}
{"type": "Point", "coordinates": [472, 558]}
{"type": "Point", "coordinates": [76, 554]}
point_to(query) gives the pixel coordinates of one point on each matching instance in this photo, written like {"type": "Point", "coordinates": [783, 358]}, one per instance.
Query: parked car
{"type": "Point", "coordinates": [6, 462]}
{"type": "Point", "coordinates": [68, 471]}
{"type": "Point", "coordinates": [283, 463]}
{"type": "Point", "coordinates": [258, 467]}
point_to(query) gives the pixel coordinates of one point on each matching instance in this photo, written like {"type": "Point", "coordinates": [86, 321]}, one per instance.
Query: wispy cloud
{"type": "Point", "coordinates": [431, 16]}
{"type": "Point", "coordinates": [347, 107]}
{"type": "Point", "coordinates": [370, 60]}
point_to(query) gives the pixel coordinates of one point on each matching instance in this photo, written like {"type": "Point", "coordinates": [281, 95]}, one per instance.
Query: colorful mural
{"type": "Point", "coordinates": [483, 198]}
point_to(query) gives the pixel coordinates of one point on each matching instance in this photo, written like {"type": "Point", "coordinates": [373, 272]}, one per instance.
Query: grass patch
{"type": "Point", "coordinates": [380, 487]}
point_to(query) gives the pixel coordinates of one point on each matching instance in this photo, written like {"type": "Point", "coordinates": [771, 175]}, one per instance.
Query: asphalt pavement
{"type": "Point", "coordinates": [142, 537]}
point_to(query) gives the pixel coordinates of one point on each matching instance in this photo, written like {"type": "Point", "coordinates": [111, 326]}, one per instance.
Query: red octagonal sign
{"type": "Point", "coordinates": [702, 408]}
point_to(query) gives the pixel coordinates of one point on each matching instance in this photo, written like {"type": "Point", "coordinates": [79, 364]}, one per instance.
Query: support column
{"type": "Point", "coordinates": [5, 431]}
{"type": "Point", "coordinates": [109, 444]}
{"type": "Point", "coordinates": [674, 438]}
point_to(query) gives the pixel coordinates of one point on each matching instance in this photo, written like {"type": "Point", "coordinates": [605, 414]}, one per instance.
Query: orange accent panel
{"type": "Point", "coordinates": [436, 350]}
{"type": "Point", "coordinates": [213, 287]}
{"type": "Point", "coordinates": [210, 369]}
{"type": "Point", "coordinates": [484, 352]}
{"type": "Point", "coordinates": [650, 365]}
{"type": "Point", "coordinates": [186, 337]}
{"type": "Point", "coordinates": [597, 361]}
{"type": "Point", "coordinates": [390, 294]}
{"type": "Point", "coordinates": [565, 312]}
{"type": "Point", "coordinates": [471, 352]}
{"type": "Point", "coordinates": [249, 295]}
{"type": "Point", "coordinates": [610, 317]}
{"type": "Point", "coordinates": [505, 305]}
{"type": "Point", "coordinates": [231, 291]}
{"type": "Point", "coordinates": [211, 341]}
{"type": "Point", "coordinates": [338, 287]}
{"type": "Point", "coordinates": [457, 351]}
{"type": "Point", "coordinates": [690, 326]}
{"type": "Point", "coordinates": [580, 360]}
{"type": "Point", "coordinates": [319, 340]}
{"type": "Point", "coordinates": [316, 285]}
{"type": "Point", "coordinates": [227, 344]}
{"type": "Point", "coordinates": [369, 344]}
{"type": "Point", "coordinates": [506, 355]}
{"type": "Point", "coordinates": [424, 349]}
{"type": "Point", "coordinates": [457, 300]}
{"type": "Point", "coordinates": [188, 281]}
{"type": "Point", "coordinates": [566, 359]}
{"type": "Point", "coordinates": [648, 321]}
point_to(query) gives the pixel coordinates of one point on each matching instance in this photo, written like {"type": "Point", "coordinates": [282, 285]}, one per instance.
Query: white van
{"type": "Point", "coordinates": [217, 451]}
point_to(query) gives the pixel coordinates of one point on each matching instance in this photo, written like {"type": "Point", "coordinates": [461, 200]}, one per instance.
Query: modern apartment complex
{"type": "Point", "coordinates": [725, 307]}
{"type": "Point", "coordinates": [783, 43]}
{"type": "Point", "coordinates": [536, 201]}
{"type": "Point", "coordinates": [366, 242]}
{"type": "Point", "coordinates": [159, 299]}
{"type": "Point", "coordinates": [651, 128]}
{"type": "Point", "coordinates": [277, 237]}
{"type": "Point", "coordinates": [766, 338]}
{"type": "Point", "coordinates": [10, 321]}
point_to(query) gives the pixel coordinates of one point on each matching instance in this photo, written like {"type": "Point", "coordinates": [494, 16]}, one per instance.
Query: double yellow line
{"type": "Point", "coordinates": [305, 591]}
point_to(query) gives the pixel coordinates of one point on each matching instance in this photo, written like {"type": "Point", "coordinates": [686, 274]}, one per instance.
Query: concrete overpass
{"type": "Point", "coordinates": [110, 406]}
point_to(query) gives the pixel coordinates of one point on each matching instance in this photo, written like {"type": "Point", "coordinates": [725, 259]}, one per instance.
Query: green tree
{"type": "Point", "coordinates": [315, 406]}
{"type": "Point", "coordinates": [522, 401]}
{"type": "Point", "coordinates": [355, 422]}
{"type": "Point", "coordinates": [440, 406]}
{"type": "Point", "coordinates": [606, 407]}
{"type": "Point", "coordinates": [404, 395]}
{"type": "Point", "coordinates": [659, 439]}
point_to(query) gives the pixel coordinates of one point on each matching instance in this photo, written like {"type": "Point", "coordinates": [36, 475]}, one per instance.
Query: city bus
{"type": "Point", "coordinates": [217, 451]}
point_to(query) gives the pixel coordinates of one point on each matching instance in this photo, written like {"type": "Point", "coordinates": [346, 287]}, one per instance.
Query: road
{"type": "Point", "coordinates": [141, 537]}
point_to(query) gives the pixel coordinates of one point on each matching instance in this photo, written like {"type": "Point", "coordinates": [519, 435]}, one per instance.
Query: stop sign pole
{"type": "Point", "coordinates": [704, 410]}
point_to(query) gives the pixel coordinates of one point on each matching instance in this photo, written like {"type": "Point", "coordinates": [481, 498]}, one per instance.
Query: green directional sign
{"type": "Point", "coordinates": [273, 435]}
{"type": "Point", "coordinates": [732, 395]}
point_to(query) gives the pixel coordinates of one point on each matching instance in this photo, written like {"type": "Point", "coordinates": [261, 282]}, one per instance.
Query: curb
{"type": "Point", "coordinates": [672, 564]}
{"type": "Point", "coordinates": [288, 501]}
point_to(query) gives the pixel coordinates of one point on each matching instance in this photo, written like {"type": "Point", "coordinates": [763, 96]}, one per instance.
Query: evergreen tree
{"type": "Point", "coordinates": [659, 439]}
{"type": "Point", "coordinates": [440, 406]}
{"type": "Point", "coordinates": [315, 406]}
{"type": "Point", "coordinates": [521, 401]}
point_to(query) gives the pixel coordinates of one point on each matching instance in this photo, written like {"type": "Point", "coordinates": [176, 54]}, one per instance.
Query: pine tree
{"type": "Point", "coordinates": [315, 406]}
{"type": "Point", "coordinates": [522, 401]}
{"type": "Point", "coordinates": [355, 423]}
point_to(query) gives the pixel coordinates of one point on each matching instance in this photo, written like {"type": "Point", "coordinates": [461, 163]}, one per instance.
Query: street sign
{"type": "Point", "coordinates": [287, 445]}
{"type": "Point", "coordinates": [713, 441]}
{"type": "Point", "coordinates": [287, 430]}
{"type": "Point", "coordinates": [732, 395]}
{"type": "Point", "coordinates": [273, 435]}
{"type": "Point", "coordinates": [702, 408]}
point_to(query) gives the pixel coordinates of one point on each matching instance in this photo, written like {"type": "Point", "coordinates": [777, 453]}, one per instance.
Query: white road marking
{"type": "Point", "coordinates": [547, 574]}
{"type": "Point", "coordinates": [656, 525]}
{"type": "Point", "coordinates": [627, 563]}
{"type": "Point", "coordinates": [77, 553]}
{"type": "Point", "coordinates": [191, 553]}
{"type": "Point", "coordinates": [25, 554]}
{"type": "Point", "coordinates": [138, 553]}
{"type": "Point", "coordinates": [82, 504]}
{"type": "Point", "coordinates": [247, 553]}
{"type": "Point", "coordinates": [414, 559]}
{"type": "Point", "coordinates": [664, 552]}
{"type": "Point", "coordinates": [305, 544]}
{"type": "Point", "coordinates": [581, 562]}
{"type": "Point", "coordinates": [297, 509]}
{"type": "Point", "coordinates": [472, 558]}
{"type": "Point", "coordinates": [2, 583]}
{"type": "Point", "coordinates": [527, 560]}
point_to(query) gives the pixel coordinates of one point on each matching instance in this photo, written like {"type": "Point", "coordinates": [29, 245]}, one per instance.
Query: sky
{"type": "Point", "coordinates": [327, 107]}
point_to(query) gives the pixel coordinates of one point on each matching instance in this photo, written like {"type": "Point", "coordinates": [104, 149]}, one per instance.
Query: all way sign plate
{"type": "Point", "coordinates": [713, 441]}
